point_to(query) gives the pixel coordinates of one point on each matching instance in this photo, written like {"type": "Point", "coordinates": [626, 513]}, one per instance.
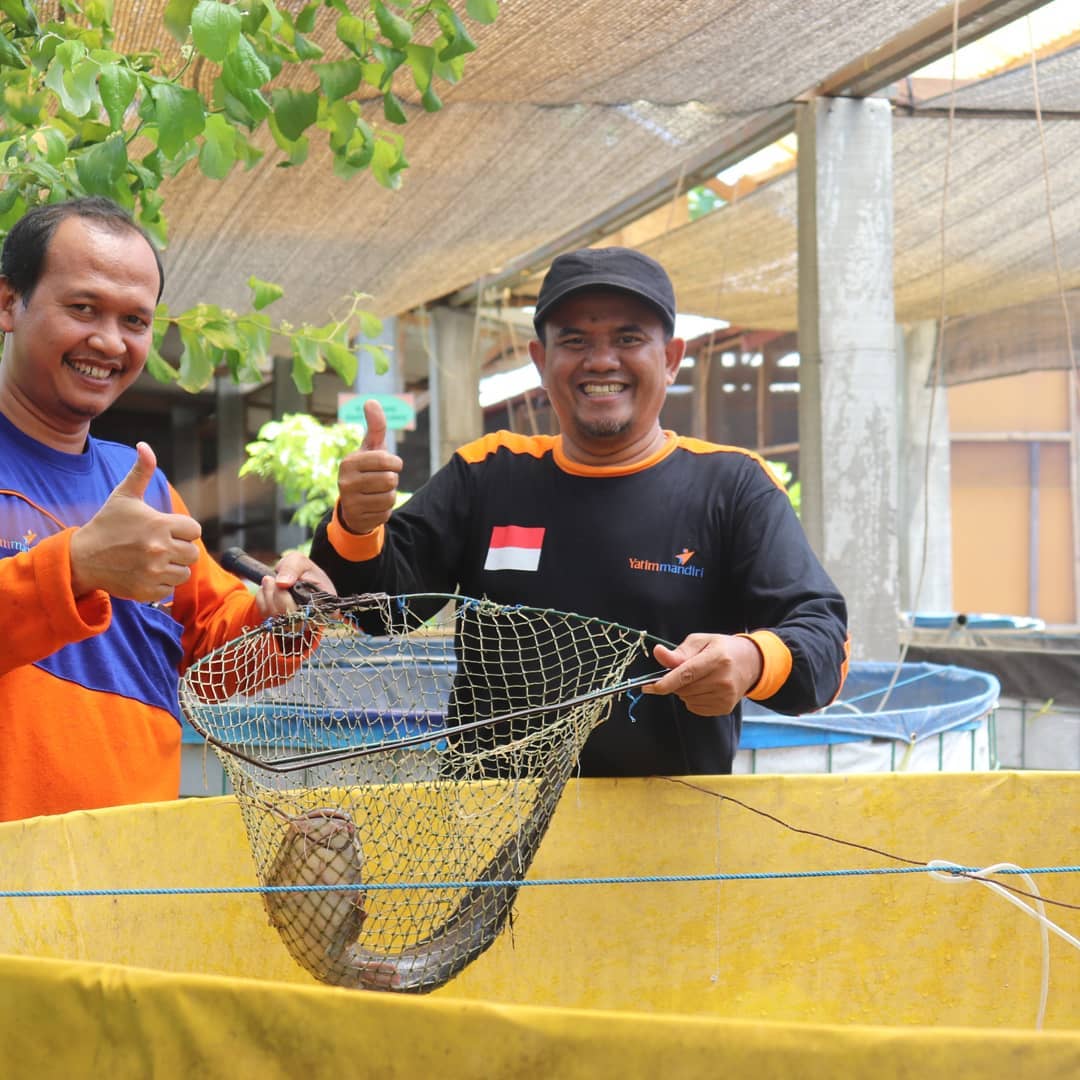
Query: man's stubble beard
{"type": "Point", "coordinates": [604, 429]}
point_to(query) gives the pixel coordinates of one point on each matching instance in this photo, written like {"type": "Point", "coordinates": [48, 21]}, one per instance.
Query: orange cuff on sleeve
{"type": "Point", "coordinates": [70, 618]}
{"type": "Point", "coordinates": [775, 664]}
{"type": "Point", "coordinates": [356, 547]}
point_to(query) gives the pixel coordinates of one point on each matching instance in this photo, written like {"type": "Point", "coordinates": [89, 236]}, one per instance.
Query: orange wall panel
{"type": "Point", "coordinates": [1057, 602]}
{"type": "Point", "coordinates": [991, 508]}
{"type": "Point", "coordinates": [1035, 401]}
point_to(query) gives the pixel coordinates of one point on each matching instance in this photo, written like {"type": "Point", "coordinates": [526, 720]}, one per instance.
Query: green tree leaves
{"type": "Point", "coordinates": [102, 165]}
{"type": "Point", "coordinates": [396, 30]}
{"type": "Point", "coordinates": [216, 340]}
{"type": "Point", "coordinates": [218, 152]}
{"type": "Point", "coordinates": [215, 29]}
{"type": "Point", "coordinates": [264, 292]}
{"type": "Point", "coordinates": [294, 111]}
{"type": "Point", "coordinates": [339, 78]}
{"type": "Point", "coordinates": [117, 84]}
{"type": "Point", "coordinates": [178, 18]}
{"type": "Point", "coordinates": [72, 77]}
{"type": "Point", "coordinates": [80, 117]}
{"type": "Point", "coordinates": [9, 55]}
{"type": "Point", "coordinates": [100, 91]}
{"type": "Point", "coordinates": [244, 68]}
{"type": "Point", "coordinates": [179, 115]}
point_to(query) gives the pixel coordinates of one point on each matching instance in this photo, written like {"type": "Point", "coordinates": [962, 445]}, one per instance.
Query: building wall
{"type": "Point", "coordinates": [1012, 553]}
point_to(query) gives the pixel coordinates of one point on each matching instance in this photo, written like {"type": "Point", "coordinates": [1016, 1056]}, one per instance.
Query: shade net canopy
{"type": "Point", "coordinates": [563, 113]}
{"type": "Point", "coordinates": [569, 123]}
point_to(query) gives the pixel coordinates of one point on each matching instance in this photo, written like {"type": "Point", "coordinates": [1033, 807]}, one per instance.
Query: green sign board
{"type": "Point", "coordinates": [399, 409]}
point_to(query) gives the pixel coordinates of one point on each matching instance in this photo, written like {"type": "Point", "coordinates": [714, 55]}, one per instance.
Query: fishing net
{"type": "Point", "coordinates": [417, 741]}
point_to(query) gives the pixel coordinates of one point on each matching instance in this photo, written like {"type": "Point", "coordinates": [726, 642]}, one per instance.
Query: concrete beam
{"type": "Point", "coordinates": [231, 438]}
{"type": "Point", "coordinates": [454, 378]}
{"type": "Point", "coordinates": [848, 428]}
{"type": "Point", "coordinates": [286, 399]}
{"type": "Point", "coordinates": [368, 381]}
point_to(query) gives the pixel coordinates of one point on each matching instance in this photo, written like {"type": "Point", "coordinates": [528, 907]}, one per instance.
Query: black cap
{"type": "Point", "coordinates": [607, 268]}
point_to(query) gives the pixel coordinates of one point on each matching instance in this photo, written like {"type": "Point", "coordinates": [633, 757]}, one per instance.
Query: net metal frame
{"type": "Point", "coordinates": [455, 722]}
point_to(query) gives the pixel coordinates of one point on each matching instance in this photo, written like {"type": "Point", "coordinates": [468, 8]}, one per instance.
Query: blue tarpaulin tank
{"type": "Point", "coordinates": [917, 717]}
{"type": "Point", "coordinates": [889, 717]}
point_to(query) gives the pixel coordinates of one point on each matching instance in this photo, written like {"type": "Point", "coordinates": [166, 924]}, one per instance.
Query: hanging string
{"type": "Point", "coordinates": [839, 840]}
{"type": "Point", "coordinates": [1050, 203]}
{"type": "Point", "coordinates": [939, 349]}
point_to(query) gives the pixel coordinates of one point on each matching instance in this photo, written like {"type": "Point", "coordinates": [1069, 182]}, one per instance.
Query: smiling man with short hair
{"type": "Point", "coordinates": [106, 590]}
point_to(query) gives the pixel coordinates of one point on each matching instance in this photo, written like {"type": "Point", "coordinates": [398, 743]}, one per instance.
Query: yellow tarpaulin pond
{"type": "Point", "coordinates": [835, 974]}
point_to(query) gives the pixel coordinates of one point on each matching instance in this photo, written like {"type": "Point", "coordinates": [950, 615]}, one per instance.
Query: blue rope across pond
{"type": "Point", "coordinates": [33, 894]}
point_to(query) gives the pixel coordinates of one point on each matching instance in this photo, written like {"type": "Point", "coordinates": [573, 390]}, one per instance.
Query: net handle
{"type": "Point", "coordinates": [237, 561]}
{"type": "Point", "coordinates": [313, 758]}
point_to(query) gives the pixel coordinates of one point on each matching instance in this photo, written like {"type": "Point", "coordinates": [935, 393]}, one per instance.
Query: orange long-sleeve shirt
{"type": "Point", "coordinates": [88, 688]}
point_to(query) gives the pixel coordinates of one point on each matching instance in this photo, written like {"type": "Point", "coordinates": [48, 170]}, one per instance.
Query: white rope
{"type": "Point", "coordinates": [946, 871]}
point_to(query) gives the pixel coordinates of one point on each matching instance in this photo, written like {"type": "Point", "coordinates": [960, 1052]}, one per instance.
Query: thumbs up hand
{"type": "Point", "coordinates": [375, 418]}
{"type": "Point", "coordinates": [128, 548]}
{"type": "Point", "coordinates": [368, 477]}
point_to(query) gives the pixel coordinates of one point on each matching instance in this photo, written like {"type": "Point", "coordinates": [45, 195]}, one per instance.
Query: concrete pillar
{"type": "Point", "coordinates": [847, 344]}
{"type": "Point", "coordinates": [186, 472]}
{"type": "Point", "coordinates": [1073, 383]}
{"type": "Point", "coordinates": [454, 380]}
{"type": "Point", "coordinates": [925, 489]}
{"type": "Point", "coordinates": [231, 439]}
{"type": "Point", "coordinates": [699, 426]}
{"type": "Point", "coordinates": [285, 399]}
{"type": "Point", "coordinates": [368, 381]}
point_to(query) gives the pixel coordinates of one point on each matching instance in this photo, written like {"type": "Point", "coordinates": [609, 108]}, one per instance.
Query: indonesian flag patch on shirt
{"type": "Point", "coordinates": [514, 548]}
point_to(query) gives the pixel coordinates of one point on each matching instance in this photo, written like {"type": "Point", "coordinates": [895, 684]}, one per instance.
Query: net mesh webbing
{"type": "Point", "coordinates": [422, 789]}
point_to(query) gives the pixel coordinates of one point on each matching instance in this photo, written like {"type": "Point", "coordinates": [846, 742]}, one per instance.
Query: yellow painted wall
{"type": "Point", "coordinates": [991, 498]}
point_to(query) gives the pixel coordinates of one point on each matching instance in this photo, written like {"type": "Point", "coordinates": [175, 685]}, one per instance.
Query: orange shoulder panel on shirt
{"type": "Point", "coordinates": [699, 446]}
{"type": "Point", "coordinates": [531, 445]}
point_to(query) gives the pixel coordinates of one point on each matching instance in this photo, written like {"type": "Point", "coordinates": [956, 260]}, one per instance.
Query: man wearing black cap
{"type": "Point", "coordinates": [616, 518]}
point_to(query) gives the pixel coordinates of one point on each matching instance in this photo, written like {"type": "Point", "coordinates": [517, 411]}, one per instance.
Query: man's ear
{"type": "Point", "coordinates": [674, 351]}
{"type": "Point", "coordinates": [8, 299]}
{"type": "Point", "coordinates": [539, 356]}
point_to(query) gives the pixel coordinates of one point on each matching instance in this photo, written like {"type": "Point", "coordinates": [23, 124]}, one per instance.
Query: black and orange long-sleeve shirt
{"type": "Point", "coordinates": [699, 538]}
